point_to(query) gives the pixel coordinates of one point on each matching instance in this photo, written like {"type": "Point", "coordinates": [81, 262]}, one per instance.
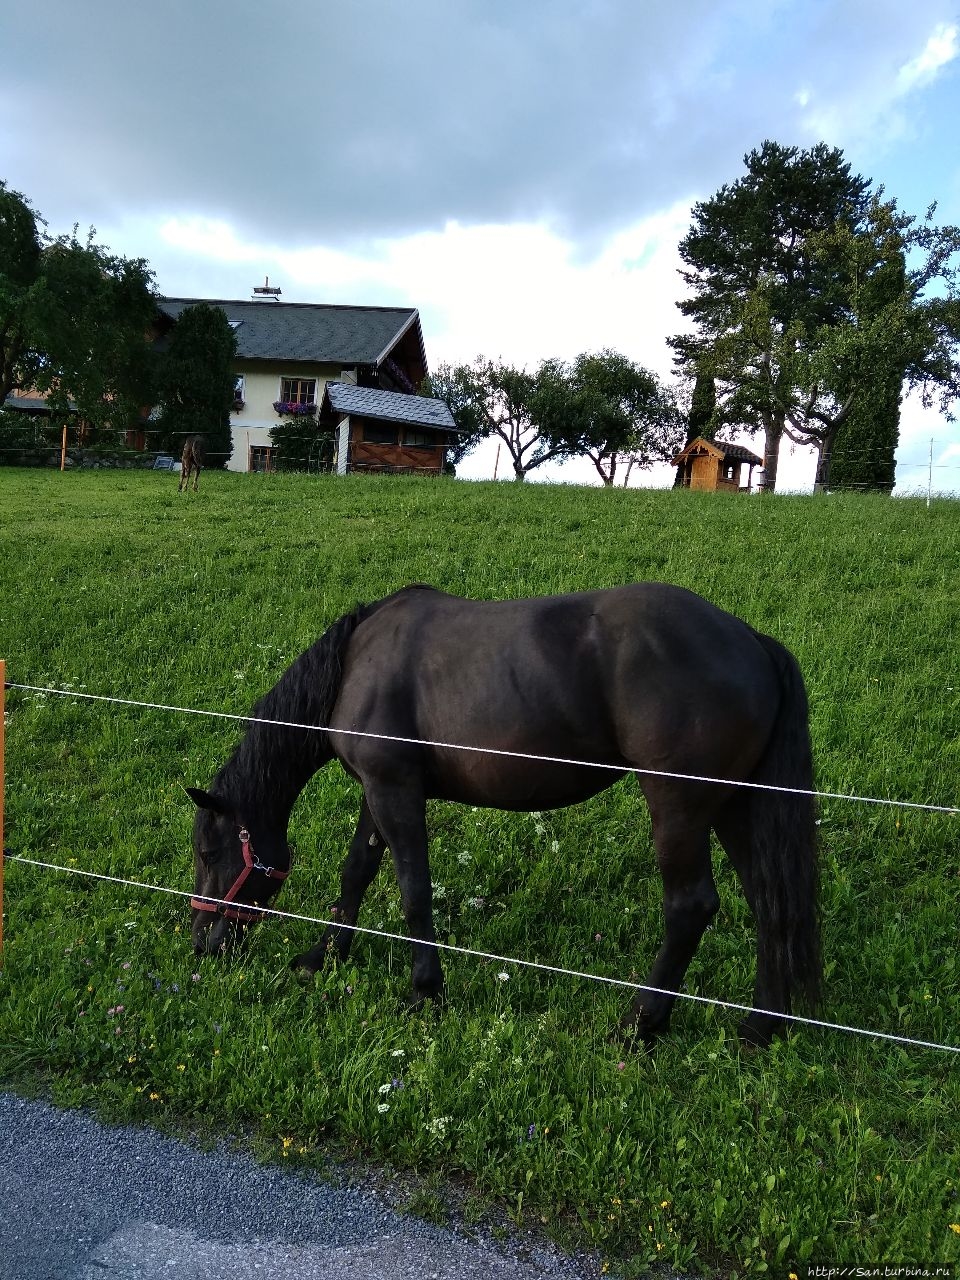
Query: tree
{"type": "Point", "coordinates": [88, 317]}
{"type": "Point", "coordinates": [490, 398]}
{"type": "Point", "coordinates": [197, 381]}
{"type": "Point", "coordinates": [758, 291]}
{"type": "Point", "coordinates": [899, 284]}
{"type": "Point", "coordinates": [610, 410]}
{"type": "Point", "coordinates": [20, 253]}
{"type": "Point", "coordinates": [74, 320]}
{"type": "Point", "coordinates": [863, 453]}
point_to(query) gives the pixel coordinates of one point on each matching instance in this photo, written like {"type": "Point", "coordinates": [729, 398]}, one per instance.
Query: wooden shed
{"type": "Point", "coordinates": [716, 464]}
{"type": "Point", "coordinates": [387, 431]}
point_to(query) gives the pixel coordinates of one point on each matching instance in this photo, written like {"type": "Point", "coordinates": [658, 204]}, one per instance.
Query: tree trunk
{"type": "Point", "coordinates": [771, 452]}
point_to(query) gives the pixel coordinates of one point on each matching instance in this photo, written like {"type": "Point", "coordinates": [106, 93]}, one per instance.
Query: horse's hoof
{"type": "Point", "coordinates": [634, 1033]}
{"type": "Point", "coordinates": [304, 971]}
{"type": "Point", "coordinates": [419, 1002]}
{"type": "Point", "coordinates": [632, 1039]}
{"type": "Point", "coordinates": [753, 1036]}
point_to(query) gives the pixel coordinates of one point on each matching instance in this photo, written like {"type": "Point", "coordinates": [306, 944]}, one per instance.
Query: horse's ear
{"type": "Point", "coordinates": [204, 800]}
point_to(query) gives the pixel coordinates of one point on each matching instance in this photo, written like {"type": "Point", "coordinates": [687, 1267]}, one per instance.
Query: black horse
{"type": "Point", "coordinates": [191, 462]}
{"type": "Point", "coordinates": [647, 677]}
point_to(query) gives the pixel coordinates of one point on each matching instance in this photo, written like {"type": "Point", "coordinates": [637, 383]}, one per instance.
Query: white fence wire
{"type": "Point", "coordinates": [467, 951]}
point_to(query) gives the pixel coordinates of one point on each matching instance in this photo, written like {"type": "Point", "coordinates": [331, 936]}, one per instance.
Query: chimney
{"type": "Point", "coordinates": [264, 292]}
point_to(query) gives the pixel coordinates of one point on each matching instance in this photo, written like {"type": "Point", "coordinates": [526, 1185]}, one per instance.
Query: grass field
{"type": "Point", "coordinates": [832, 1149]}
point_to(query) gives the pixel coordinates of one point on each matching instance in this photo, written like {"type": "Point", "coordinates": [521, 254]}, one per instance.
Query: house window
{"type": "Point", "coordinates": [379, 433]}
{"type": "Point", "coordinates": [419, 439]}
{"type": "Point", "coordinates": [238, 396]}
{"type": "Point", "coordinates": [298, 390]}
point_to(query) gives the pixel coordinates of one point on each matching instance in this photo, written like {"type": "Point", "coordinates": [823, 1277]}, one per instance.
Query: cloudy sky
{"type": "Point", "coordinates": [520, 172]}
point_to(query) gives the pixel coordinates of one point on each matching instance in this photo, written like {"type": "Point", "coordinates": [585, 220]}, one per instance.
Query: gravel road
{"type": "Point", "coordinates": [84, 1201]}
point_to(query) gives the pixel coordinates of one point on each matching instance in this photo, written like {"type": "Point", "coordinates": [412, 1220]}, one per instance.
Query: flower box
{"type": "Point", "coordinates": [291, 409]}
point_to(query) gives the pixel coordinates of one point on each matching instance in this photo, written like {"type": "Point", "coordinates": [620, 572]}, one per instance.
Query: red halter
{"type": "Point", "coordinates": [250, 863]}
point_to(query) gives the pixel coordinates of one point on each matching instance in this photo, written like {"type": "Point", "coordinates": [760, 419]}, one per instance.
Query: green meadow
{"type": "Point", "coordinates": [832, 1149]}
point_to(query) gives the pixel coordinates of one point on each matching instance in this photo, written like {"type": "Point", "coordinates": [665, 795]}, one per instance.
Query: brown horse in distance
{"type": "Point", "coordinates": [194, 456]}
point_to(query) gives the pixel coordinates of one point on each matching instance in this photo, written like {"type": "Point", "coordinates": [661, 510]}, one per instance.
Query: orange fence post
{"type": "Point", "coordinates": [3, 675]}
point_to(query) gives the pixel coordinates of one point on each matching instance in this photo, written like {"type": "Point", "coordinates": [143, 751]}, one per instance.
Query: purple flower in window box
{"type": "Point", "coordinates": [291, 408]}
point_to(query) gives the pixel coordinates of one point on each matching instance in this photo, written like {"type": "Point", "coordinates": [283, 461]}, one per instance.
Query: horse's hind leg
{"type": "Point", "coordinates": [359, 869]}
{"type": "Point", "coordinates": [732, 826]}
{"type": "Point", "coordinates": [690, 902]}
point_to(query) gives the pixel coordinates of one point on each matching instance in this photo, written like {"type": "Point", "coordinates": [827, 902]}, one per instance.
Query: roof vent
{"type": "Point", "coordinates": [264, 292]}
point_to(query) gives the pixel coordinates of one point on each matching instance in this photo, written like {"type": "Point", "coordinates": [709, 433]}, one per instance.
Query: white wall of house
{"type": "Point", "coordinates": [261, 387]}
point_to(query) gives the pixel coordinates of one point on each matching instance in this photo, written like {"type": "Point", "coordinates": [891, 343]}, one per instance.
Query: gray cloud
{"type": "Point", "coordinates": [321, 123]}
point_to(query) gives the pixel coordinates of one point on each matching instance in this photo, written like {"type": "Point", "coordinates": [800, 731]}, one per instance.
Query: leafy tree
{"type": "Point", "coordinates": [815, 301]}
{"type": "Point", "coordinates": [20, 257]}
{"type": "Point", "coordinates": [758, 290]}
{"type": "Point", "coordinates": [73, 320]}
{"type": "Point", "coordinates": [899, 283]}
{"type": "Point", "coordinates": [862, 457]}
{"type": "Point", "coordinates": [88, 316]}
{"type": "Point", "coordinates": [490, 398]}
{"type": "Point", "coordinates": [610, 410]}
{"type": "Point", "coordinates": [602, 406]}
{"type": "Point", "coordinates": [196, 381]}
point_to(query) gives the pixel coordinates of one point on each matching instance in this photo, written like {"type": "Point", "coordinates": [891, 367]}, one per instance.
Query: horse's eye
{"type": "Point", "coordinates": [210, 855]}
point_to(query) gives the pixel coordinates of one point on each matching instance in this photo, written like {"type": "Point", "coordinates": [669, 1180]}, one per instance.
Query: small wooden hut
{"type": "Point", "coordinates": [716, 464]}
{"type": "Point", "coordinates": [387, 430]}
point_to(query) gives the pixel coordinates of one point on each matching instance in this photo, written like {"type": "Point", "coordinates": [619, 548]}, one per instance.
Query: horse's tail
{"type": "Point", "coordinates": [784, 843]}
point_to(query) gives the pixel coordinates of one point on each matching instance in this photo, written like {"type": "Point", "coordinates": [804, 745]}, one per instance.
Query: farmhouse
{"type": "Point", "coordinates": [716, 464]}
{"type": "Point", "coordinates": [288, 352]}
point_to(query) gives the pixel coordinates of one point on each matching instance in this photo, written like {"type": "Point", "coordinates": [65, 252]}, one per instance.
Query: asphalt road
{"type": "Point", "coordinates": [84, 1201]}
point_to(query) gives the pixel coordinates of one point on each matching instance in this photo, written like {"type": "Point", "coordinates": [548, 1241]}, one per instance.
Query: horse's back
{"type": "Point", "coordinates": [621, 676]}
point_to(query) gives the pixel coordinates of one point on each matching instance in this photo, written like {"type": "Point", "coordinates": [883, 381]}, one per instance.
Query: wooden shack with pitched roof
{"type": "Point", "coordinates": [716, 465]}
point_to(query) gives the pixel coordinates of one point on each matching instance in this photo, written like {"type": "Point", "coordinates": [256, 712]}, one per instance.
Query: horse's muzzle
{"type": "Point", "coordinates": [213, 935]}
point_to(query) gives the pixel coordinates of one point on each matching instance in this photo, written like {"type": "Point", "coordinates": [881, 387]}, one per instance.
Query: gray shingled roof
{"type": "Point", "coordinates": [388, 406]}
{"type": "Point", "coordinates": [308, 331]}
{"type": "Point", "coordinates": [737, 451]}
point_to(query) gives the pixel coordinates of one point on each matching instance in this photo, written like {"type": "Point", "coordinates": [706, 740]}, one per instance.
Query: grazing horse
{"type": "Point", "coordinates": [194, 456]}
{"type": "Point", "coordinates": [647, 678]}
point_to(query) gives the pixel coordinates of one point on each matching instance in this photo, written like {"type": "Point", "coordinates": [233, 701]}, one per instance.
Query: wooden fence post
{"type": "Point", "coordinates": [3, 674]}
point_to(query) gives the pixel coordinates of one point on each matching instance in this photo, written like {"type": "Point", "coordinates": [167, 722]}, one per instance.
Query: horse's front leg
{"type": "Point", "coordinates": [359, 869]}
{"type": "Point", "coordinates": [399, 810]}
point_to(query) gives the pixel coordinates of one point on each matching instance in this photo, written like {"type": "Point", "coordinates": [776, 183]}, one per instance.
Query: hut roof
{"type": "Point", "coordinates": [720, 449]}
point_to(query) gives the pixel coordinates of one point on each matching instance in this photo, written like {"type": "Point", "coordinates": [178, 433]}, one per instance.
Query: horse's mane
{"type": "Point", "coordinates": [274, 762]}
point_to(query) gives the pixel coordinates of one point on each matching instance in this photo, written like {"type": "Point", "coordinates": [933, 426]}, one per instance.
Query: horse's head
{"type": "Point", "coordinates": [239, 865]}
